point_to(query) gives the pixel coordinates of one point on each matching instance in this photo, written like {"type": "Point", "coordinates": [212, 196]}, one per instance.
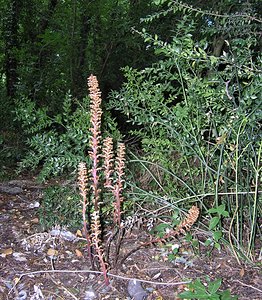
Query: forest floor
{"type": "Point", "coordinates": [38, 265]}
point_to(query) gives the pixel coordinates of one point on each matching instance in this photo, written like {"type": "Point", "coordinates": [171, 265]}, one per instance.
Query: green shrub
{"type": "Point", "coordinates": [180, 111]}
{"type": "Point", "coordinates": [56, 143]}
{"type": "Point", "coordinates": [197, 290]}
{"type": "Point", "coordinates": [198, 124]}
{"type": "Point", "coordinates": [60, 206]}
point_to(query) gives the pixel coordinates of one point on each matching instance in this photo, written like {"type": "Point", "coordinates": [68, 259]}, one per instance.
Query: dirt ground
{"type": "Point", "coordinates": [55, 265]}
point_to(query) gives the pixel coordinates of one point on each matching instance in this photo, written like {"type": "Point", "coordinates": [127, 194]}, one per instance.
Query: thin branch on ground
{"type": "Point", "coordinates": [95, 272]}
{"type": "Point", "coordinates": [60, 286]}
{"type": "Point", "coordinates": [247, 285]}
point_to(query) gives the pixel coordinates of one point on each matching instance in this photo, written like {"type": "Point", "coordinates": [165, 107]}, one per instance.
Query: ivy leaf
{"type": "Point", "coordinates": [214, 286]}
{"type": "Point", "coordinates": [213, 222]}
{"type": "Point", "coordinates": [212, 210]}
{"type": "Point", "coordinates": [199, 287]}
{"type": "Point", "coordinates": [217, 235]}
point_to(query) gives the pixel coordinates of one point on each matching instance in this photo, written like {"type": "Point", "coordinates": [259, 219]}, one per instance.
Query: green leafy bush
{"type": "Point", "coordinates": [56, 143]}
{"type": "Point", "coordinates": [197, 290]}
{"type": "Point", "coordinates": [181, 111]}
{"type": "Point", "coordinates": [197, 117]}
{"type": "Point", "coordinates": [60, 206]}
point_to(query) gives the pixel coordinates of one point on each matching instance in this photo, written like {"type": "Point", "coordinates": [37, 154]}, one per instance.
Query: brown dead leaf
{"type": "Point", "coordinates": [78, 253]}
{"type": "Point", "coordinates": [7, 251]}
{"type": "Point", "coordinates": [16, 280]}
{"type": "Point", "coordinates": [242, 272]}
{"type": "Point", "coordinates": [79, 233]}
{"type": "Point", "coordinates": [35, 221]}
{"type": "Point", "coordinates": [52, 252]}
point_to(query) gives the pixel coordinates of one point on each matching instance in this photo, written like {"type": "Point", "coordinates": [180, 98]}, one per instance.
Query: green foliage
{"type": "Point", "coordinates": [181, 111]}
{"type": "Point", "coordinates": [215, 226]}
{"type": "Point", "coordinates": [56, 45]}
{"type": "Point", "coordinates": [197, 290]}
{"type": "Point", "coordinates": [221, 212]}
{"type": "Point", "coordinates": [58, 143]}
{"type": "Point", "coordinates": [194, 242]}
{"type": "Point", "coordinates": [60, 206]}
{"type": "Point", "coordinates": [197, 118]}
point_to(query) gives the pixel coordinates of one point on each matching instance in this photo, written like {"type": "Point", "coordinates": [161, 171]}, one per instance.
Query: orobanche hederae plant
{"type": "Point", "coordinates": [106, 173]}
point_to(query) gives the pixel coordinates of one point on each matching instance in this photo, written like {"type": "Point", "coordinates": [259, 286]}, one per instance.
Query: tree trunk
{"type": "Point", "coordinates": [78, 80]}
{"type": "Point", "coordinates": [11, 45]}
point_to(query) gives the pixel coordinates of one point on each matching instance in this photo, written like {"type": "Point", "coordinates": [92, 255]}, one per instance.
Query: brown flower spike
{"type": "Point", "coordinates": [183, 226]}
{"type": "Point", "coordinates": [96, 242]}
{"type": "Point", "coordinates": [96, 113]}
{"type": "Point", "coordinates": [108, 161]}
{"type": "Point", "coordinates": [82, 183]}
{"type": "Point", "coordinates": [118, 187]}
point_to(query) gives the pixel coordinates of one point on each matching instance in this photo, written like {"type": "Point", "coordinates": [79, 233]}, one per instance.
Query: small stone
{"type": "Point", "coordinates": [90, 295]}
{"type": "Point", "coordinates": [136, 291]}
{"type": "Point", "coordinates": [10, 190]}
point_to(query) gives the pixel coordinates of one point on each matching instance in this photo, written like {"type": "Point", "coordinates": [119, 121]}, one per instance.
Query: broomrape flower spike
{"type": "Point", "coordinates": [96, 241]}
{"type": "Point", "coordinates": [189, 221]}
{"type": "Point", "coordinates": [184, 226]}
{"type": "Point", "coordinates": [118, 187]}
{"type": "Point", "coordinates": [82, 179]}
{"type": "Point", "coordinates": [110, 168]}
{"type": "Point", "coordinates": [96, 113]}
{"type": "Point", "coordinates": [82, 183]}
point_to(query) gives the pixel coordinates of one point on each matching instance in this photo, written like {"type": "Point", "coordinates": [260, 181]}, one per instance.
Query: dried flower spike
{"type": "Point", "coordinates": [182, 227]}
{"type": "Point", "coordinates": [96, 113]}
{"type": "Point", "coordinates": [118, 187]}
{"type": "Point", "coordinates": [82, 179]}
{"type": "Point", "coordinates": [96, 241]}
{"type": "Point", "coordinates": [82, 183]}
{"type": "Point", "coordinates": [108, 161]}
{"type": "Point", "coordinates": [188, 222]}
